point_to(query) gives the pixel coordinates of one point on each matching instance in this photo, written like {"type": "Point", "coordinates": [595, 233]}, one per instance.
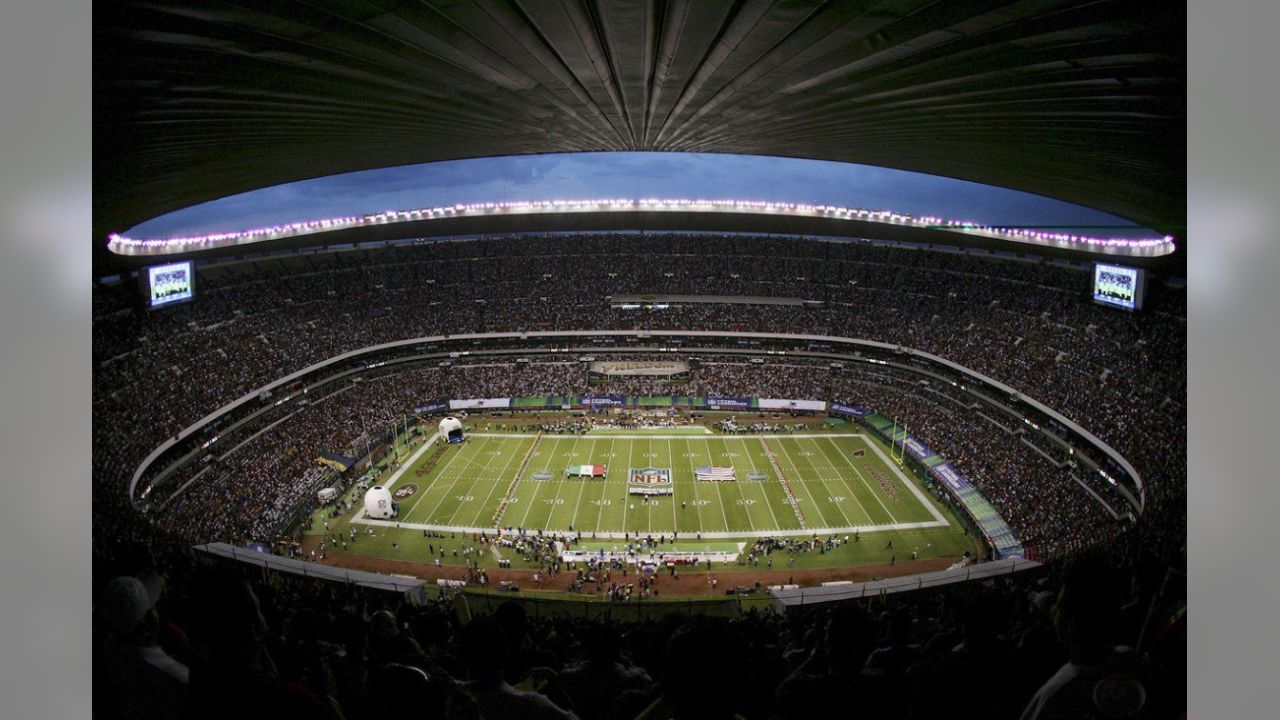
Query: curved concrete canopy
{"type": "Point", "coordinates": [1082, 101]}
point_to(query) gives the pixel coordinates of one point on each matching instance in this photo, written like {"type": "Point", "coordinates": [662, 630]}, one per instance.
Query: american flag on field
{"type": "Point", "coordinates": [707, 473]}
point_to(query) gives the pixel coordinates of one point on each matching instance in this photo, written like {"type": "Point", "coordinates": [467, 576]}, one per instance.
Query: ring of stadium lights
{"type": "Point", "coordinates": [1131, 247]}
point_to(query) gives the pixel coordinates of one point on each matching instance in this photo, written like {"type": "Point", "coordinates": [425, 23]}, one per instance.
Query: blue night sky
{"type": "Point", "coordinates": [628, 175]}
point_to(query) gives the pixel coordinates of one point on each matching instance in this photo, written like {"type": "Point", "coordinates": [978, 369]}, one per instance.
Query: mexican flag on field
{"type": "Point", "coordinates": [586, 471]}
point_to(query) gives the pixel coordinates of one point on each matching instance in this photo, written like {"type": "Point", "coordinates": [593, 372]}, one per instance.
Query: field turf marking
{"type": "Point", "coordinates": [874, 493]}
{"type": "Point", "coordinates": [842, 478]}
{"type": "Point", "coordinates": [482, 473]}
{"type": "Point", "coordinates": [626, 504]}
{"type": "Point", "coordinates": [804, 485]}
{"type": "Point", "coordinates": [675, 519]}
{"type": "Point", "coordinates": [549, 452]}
{"type": "Point", "coordinates": [444, 482]}
{"type": "Point", "coordinates": [826, 482]}
{"type": "Point", "coordinates": [760, 486]}
{"type": "Point", "coordinates": [582, 486]}
{"type": "Point", "coordinates": [719, 497]}
{"type": "Point", "coordinates": [919, 494]}
{"type": "Point", "coordinates": [737, 484]}
{"type": "Point", "coordinates": [604, 489]}
{"type": "Point", "coordinates": [436, 481]}
{"type": "Point", "coordinates": [697, 501]}
{"type": "Point", "coordinates": [496, 482]}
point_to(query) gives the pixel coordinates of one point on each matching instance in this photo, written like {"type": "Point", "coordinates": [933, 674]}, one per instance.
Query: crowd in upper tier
{"type": "Point", "coordinates": [1029, 325]}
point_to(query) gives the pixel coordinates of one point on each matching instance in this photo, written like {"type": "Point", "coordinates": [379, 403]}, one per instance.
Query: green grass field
{"type": "Point", "coordinates": [839, 482]}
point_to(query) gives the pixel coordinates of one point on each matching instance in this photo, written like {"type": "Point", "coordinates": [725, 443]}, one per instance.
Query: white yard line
{"type": "Point", "coordinates": [844, 481]}
{"type": "Point", "coordinates": [496, 483]}
{"type": "Point", "coordinates": [696, 500]}
{"type": "Point", "coordinates": [719, 495]}
{"type": "Point", "coordinates": [582, 488]}
{"type": "Point", "coordinates": [604, 486]}
{"type": "Point", "coordinates": [874, 492]}
{"type": "Point", "coordinates": [439, 476]}
{"type": "Point", "coordinates": [741, 495]}
{"type": "Point", "coordinates": [648, 506]}
{"type": "Point", "coordinates": [483, 472]}
{"type": "Point", "coordinates": [938, 521]}
{"type": "Point", "coordinates": [764, 495]}
{"type": "Point", "coordinates": [827, 483]}
{"type": "Point", "coordinates": [804, 484]}
{"type": "Point", "coordinates": [905, 481]}
{"type": "Point", "coordinates": [675, 519]}
{"type": "Point", "coordinates": [626, 504]}
{"type": "Point", "coordinates": [546, 468]}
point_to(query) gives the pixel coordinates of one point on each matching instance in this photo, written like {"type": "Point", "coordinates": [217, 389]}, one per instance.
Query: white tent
{"type": "Point", "coordinates": [378, 503]}
{"type": "Point", "coordinates": [451, 429]}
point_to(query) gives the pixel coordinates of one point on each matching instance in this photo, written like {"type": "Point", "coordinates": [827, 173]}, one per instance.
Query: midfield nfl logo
{"type": "Point", "coordinates": [650, 481]}
{"type": "Point", "coordinates": [650, 476]}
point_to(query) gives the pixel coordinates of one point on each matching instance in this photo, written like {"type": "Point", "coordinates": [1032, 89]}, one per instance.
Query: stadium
{"type": "Point", "coordinates": [677, 451]}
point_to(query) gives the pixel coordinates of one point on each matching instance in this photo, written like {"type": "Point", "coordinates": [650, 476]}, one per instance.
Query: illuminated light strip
{"type": "Point", "coordinates": [1146, 247]}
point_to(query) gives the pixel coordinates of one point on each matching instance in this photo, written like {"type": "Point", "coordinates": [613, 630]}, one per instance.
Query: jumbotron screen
{"type": "Point", "coordinates": [1118, 286]}
{"type": "Point", "coordinates": [168, 284]}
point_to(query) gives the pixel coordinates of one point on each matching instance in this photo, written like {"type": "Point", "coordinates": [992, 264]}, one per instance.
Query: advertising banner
{"type": "Point", "coordinates": [728, 403]}
{"type": "Point", "coordinates": [481, 403]}
{"type": "Point", "coordinates": [786, 404]}
{"type": "Point", "coordinates": [918, 450]}
{"type": "Point", "coordinates": [432, 407]}
{"type": "Point", "coordinates": [604, 400]}
{"type": "Point", "coordinates": [947, 473]}
{"type": "Point", "coordinates": [839, 408]}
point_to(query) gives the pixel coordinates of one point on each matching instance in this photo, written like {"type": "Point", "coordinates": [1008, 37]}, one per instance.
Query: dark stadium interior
{"type": "Point", "coordinates": [1078, 101]}
{"type": "Point", "coordinates": [1041, 387]}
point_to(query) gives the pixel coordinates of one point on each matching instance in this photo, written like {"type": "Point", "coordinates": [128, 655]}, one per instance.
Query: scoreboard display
{"type": "Point", "coordinates": [1118, 286]}
{"type": "Point", "coordinates": [169, 284]}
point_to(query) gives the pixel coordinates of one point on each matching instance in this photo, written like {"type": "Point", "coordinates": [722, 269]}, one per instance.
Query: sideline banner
{"type": "Point", "coordinates": [918, 450]}
{"type": "Point", "coordinates": [787, 404]}
{"type": "Point", "coordinates": [432, 407]}
{"type": "Point", "coordinates": [604, 400]}
{"type": "Point", "coordinates": [729, 403]}
{"type": "Point", "coordinates": [839, 408]}
{"type": "Point", "coordinates": [482, 403]}
{"type": "Point", "coordinates": [947, 473]}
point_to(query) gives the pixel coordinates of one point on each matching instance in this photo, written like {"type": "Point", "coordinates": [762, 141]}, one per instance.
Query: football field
{"type": "Point", "coordinates": [754, 485]}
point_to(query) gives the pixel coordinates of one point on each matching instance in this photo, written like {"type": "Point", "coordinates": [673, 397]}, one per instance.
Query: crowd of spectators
{"type": "Point", "coordinates": [184, 636]}
{"type": "Point", "coordinates": [1062, 642]}
{"type": "Point", "coordinates": [1027, 324]}
{"type": "Point", "coordinates": [266, 475]}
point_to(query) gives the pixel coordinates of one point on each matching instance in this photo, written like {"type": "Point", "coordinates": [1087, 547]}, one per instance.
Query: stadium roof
{"type": "Point", "coordinates": [1082, 101]}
